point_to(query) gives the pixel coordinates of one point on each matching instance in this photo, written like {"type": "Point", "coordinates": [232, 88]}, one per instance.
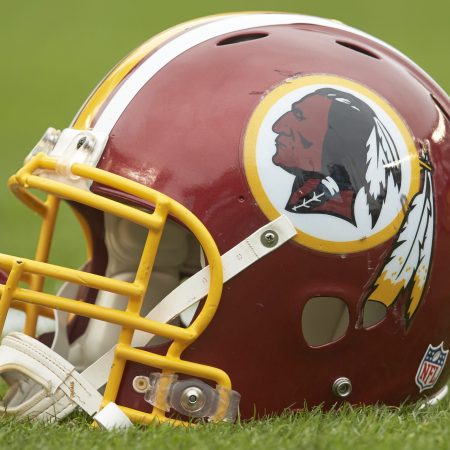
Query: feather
{"type": "Point", "coordinates": [392, 157]}
{"type": "Point", "coordinates": [383, 161]}
{"type": "Point", "coordinates": [375, 177]}
{"type": "Point", "coordinates": [409, 260]}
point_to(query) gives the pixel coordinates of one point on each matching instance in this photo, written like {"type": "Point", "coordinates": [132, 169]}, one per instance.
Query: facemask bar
{"type": "Point", "coordinates": [37, 270]}
{"type": "Point", "coordinates": [48, 211]}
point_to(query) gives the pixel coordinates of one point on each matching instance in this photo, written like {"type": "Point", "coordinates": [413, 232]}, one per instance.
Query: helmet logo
{"type": "Point", "coordinates": [431, 366]}
{"type": "Point", "coordinates": [331, 141]}
{"type": "Point", "coordinates": [339, 161]}
{"type": "Point", "coordinates": [335, 158]}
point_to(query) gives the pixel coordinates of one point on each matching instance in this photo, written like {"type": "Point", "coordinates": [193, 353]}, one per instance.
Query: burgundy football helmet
{"type": "Point", "coordinates": [292, 167]}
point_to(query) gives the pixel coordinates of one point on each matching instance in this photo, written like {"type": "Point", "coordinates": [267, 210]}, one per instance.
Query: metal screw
{"type": "Point", "coordinates": [193, 399]}
{"type": "Point", "coordinates": [342, 387]}
{"type": "Point", "coordinates": [81, 142]}
{"type": "Point", "coordinates": [141, 384]}
{"type": "Point", "coordinates": [269, 238]}
{"type": "Point", "coordinates": [86, 143]}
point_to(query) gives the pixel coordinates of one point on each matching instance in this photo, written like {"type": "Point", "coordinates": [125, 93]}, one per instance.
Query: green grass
{"type": "Point", "coordinates": [347, 428]}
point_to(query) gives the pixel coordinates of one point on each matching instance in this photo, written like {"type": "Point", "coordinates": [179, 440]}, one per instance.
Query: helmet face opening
{"type": "Point", "coordinates": [293, 168]}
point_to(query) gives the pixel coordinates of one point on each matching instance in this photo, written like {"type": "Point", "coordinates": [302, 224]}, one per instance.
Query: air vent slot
{"type": "Point", "coordinates": [358, 49]}
{"type": "Point", "coordinates": [242, 38]}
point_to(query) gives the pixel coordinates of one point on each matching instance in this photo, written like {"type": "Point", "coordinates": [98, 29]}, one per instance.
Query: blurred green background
{"type": "Point", "coordinates": [55, 52]}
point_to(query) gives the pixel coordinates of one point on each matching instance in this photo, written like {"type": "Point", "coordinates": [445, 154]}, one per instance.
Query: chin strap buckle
{"type": "Point", "coordinates": [192, 397]}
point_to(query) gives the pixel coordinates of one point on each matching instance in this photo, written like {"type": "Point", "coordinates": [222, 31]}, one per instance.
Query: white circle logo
{"type": "Point", "coordinates": [335, 158]}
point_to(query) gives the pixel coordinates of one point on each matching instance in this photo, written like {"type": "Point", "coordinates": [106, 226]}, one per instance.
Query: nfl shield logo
{"type": "Point", "coordinates": [431, 366]}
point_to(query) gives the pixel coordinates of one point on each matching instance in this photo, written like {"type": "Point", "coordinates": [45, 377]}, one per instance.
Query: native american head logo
{"type": "Point", "coordinates": [341, 164]}
{"type": "Point", "coordinates": [335, 146]}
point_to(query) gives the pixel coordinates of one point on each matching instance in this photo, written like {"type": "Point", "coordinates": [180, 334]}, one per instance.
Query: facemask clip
{"type": "Point", "coordinates": [191, 397]}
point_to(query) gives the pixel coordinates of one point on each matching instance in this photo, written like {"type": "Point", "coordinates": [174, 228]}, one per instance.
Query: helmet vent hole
{"type": "Point", "coordinates": [324, 320]}
{"type": "Point", "coordinates": [374, 312]}
{"type": "Point", "coordinates": [358, 49]}
{"type": "Point", "coordinates": [242, 38]}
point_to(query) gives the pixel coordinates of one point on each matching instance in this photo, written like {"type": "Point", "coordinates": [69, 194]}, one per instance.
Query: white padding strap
{"type": "Point", "coordinates": [196, 287]}
{"type": "Point", "coordinates": [44, 385]}
{"type": "Point", "coordinates": [234, 261]}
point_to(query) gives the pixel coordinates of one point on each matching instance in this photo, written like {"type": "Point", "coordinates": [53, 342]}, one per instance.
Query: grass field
{"type": "Point", "coordinates": [53, 54]}
{"type": "Point", "coordinates": [369, 428]}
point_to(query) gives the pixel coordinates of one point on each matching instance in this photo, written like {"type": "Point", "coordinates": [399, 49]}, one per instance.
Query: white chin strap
{"type": "Point", "coordinates": [45, 386]}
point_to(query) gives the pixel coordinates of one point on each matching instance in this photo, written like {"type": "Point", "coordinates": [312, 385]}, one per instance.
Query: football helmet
{"type": "Point", "coordinates": [294, 169]}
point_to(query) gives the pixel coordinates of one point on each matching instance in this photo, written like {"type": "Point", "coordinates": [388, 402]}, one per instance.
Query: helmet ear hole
{"type": "Point", "coordinates": [324, 320]}
{"type": "Point", "coordinates": [374, 312]}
